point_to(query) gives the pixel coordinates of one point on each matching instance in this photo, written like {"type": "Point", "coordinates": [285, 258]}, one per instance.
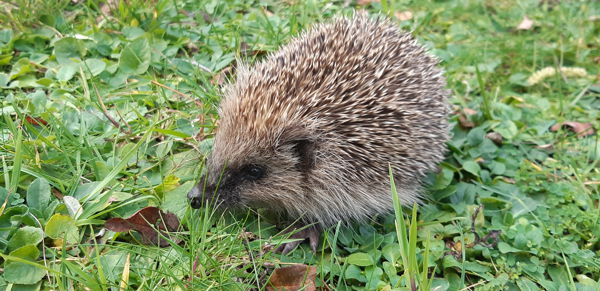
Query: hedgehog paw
{"type": "Point", "coordinates": [310, 233]}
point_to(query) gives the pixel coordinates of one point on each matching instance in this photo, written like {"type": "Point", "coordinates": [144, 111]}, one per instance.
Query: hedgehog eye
{"type": "Point", "coordinates": [254, 172]}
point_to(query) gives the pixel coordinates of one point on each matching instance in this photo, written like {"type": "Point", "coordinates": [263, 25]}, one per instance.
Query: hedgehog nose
{"type": "Point", "coordinates": [195, 197]}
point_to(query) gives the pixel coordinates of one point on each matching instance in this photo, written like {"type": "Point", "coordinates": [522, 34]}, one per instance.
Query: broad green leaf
{"type": "Point", "coordinates": [182, 165]}
{"type": "Point", "coordinates": [135, 57]}
{"type": "Point", "coordinates": [20, 68]}
{"type": "Point", "coordinates": [68, 48]}
{"type": "Point", "coordinates": [38, 194]}
{"type": "Point", "coordinates": [443, 178]}
{"type": "Point", "coordinates": [23, 273]}
{"type": "Point", "coordinates": [471, 167]}
{"type": "Point", "coordinates": [5, 36]}
{"type": "Point", "coordinates": [373, 275]}
{"type": "Point", "coordinates": [476, 267]}
{"type": "Point", "coordinates": [26, 235]}
{"type": "Point", "coordinates": [112, 264]}
{"type": "Point", "coordinates": [475, 136]}
{"type": "Point", "coordinates": [354, 272]}
{"type": "Point", "coordinates": [559, 274]}
{"type": "Point", "coordinates": [93, 67]}
{"type": "Point", "coordinates": [66, 71]}
{"type": "Point", "coordinates": [84, 189]}
{"type": "Point", "coordinates": [360, 259]}
{"type": "Point", "coordinates": [527, 285]}
{"type": "Point", "coordinates": [506, 248]}
{"type": "Point", "coordinates": [3, 80]}
{"type": "Point", "coordinates": [440, 284]}
{"type": "Point", "coordinates": [27, 81]}
{"type": "Point", "coordinates": [175, 201]}
{"type": "Point", "coordinates": [163, 148]}
{"type": "Point", "coordinates": [391, 252]}
{"type": "Point", "coordinates": [28, 252]}
{"type": "Point", "coordinates": [507, 129]}
{"type": "Point", "coordinates": [61, 226]}
{"type": "Point", "coordinates": [169, 183]}
{"type": "Point", "coordinates": [498, 168]}
{"type": "Point", "coordinates": [5, 59]}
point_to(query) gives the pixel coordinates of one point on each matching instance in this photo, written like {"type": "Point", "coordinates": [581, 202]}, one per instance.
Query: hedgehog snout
{"type": "Point", "coordinates": [202, 192]}
{"type": "Point", "coordinates": [225, 193]}
{"type": "Point", "coordinates": [195, 196]}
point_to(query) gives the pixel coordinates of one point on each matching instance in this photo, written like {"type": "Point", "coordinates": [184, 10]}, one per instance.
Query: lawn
{"type": "Point", "coordinates": [108, 107]}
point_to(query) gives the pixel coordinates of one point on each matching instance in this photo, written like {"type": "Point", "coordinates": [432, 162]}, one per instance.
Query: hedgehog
{"type": "Point", "coordinates": [311, 131]}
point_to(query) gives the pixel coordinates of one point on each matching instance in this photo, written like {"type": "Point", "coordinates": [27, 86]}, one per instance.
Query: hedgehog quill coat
{"type": "Point", "coordinates": [310, 130]}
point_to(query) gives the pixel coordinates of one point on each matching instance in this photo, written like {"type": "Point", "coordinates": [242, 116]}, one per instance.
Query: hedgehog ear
{"type": "Point", "coordinates": [305, 149]}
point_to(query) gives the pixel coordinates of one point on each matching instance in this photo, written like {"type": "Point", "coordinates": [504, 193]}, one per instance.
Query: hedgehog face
{"type": "Point", "coordinates": [257, 178]}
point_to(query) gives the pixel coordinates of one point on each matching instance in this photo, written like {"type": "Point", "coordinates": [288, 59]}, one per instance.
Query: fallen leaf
{"type": "Point", "coordinates": [36, 120]}
{"type": "Point", "coordinates": [581, 129]}
{"type": "Point", "coordinates": [248, 236]}
{"type": "Point", "coordinates": [267, 12]}
{"type": "Point", "coordinates": [545, 147]}
{"type": "Point", "coordinates": [509, 180]}
{"type": "Point", "coordinates": [191, 47]}
{"type": "Point", "coordinates": [295, 277]}
{"type": "Point", "coordinates": [404, 15]}
{"type": "Point", "coordinates": [464, 121]}
{"type": "Point", "coordinates": [525, 24]}
{"type": "Point", "coordinates": [107, 8]}
{"type": "Point", "coordinates": [148, 221]}
{"type": "Point", "coordinates": [495, 137]}
{"type": "Point", "coordinates": [365, 2]}
{"type": "Point", "coordinates": [469, 111]}
{"type": "Point", "coordinates": [57, 194]}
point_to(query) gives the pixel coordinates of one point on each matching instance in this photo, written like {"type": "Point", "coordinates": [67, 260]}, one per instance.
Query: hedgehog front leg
{"type": "Point", "coordinates": [310, 233]}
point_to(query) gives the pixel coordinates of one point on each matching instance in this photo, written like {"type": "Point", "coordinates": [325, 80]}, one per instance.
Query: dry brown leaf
{"type": "Point", "coordinates": [106, 9]}
{"type": "Point", "coordinates": [267, 12]}
{"type": "Point", "coordinates": [526, 24]}
{"type": "Point", "coordinates": [545, 147]}
{"type": "Point", "coordinates": [295, 277]}
{"type": "Point", "coordinates": [581, 129]}
{"type": "Point", "coordinates": [404, 15]}
{"type": "Point", "coordinates": [57, 194]}
{"type": "Point", "coordinates": [191, 47]}
{"type": "Point", "coordinates": [469, 111]}
{"type": "Point", "coordinates": [509, 180]}
{"type": "Point", "coordinates": [365, 2]}
{"type": "Point", "coordinates": [495, 137]}
{"type": "Point", "coordinates": [248, 236]}
{"type": "Point", "coordinates": [465, 122]}
{"type": "Point", "coordinates": [148, 222]}
{"type": "Point", "coordinates": [36, 120]}
{"type": "Point", "coordinates": [463, 119]}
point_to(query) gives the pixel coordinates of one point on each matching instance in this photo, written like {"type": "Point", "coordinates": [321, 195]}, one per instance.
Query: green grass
{"type": "Point", "coordinates": [113, 107]}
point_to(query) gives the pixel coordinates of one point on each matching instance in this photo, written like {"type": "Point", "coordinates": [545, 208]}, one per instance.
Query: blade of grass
{"type": "Point", "coordinates": [118, 168]}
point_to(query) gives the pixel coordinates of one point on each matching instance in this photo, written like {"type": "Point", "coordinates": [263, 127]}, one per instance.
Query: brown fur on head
{"type": "Point", "coordinates": [310, 131]}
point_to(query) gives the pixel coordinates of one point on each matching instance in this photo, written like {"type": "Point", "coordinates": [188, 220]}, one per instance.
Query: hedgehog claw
{"type": "Point", "coordinates": [311, 234]}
